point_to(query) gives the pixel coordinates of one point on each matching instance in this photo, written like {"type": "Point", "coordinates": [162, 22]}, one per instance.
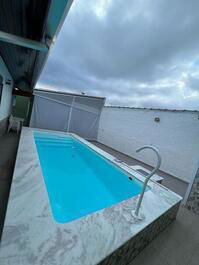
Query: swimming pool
{"type": "Point", "coordinates": [108, 236]}
{"type": "Point", "coordinates": [79, 181]}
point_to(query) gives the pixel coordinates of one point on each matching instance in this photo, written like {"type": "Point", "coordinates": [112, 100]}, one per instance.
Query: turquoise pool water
{"type": "Point", "coordinates": [78, 180]}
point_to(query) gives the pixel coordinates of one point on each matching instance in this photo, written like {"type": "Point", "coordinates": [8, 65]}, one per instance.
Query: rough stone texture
{"type": "Point", "coordinates": [125, 254]}
{"type": "Point", "coordinates": [193, 200]}
{"type": "Point", "coordinates": [3, 126]}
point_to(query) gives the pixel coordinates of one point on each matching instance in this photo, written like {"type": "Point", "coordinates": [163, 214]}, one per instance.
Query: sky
{"type": "Point", "coordinates": [137, 53]}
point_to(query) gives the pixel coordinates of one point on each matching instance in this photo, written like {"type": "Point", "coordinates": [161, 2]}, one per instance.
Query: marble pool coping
{"type": "Point", "coordinates": [32, 236]}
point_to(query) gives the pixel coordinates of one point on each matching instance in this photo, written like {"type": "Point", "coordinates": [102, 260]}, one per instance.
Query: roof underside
{"type": "Point", "coordinates": [24, 18]}
{"type": "Point", "coordinates": [33, 20]}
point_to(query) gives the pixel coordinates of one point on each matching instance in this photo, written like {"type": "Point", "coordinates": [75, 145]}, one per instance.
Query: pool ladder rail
{"type": "Point", "coordinates": [136, 213]}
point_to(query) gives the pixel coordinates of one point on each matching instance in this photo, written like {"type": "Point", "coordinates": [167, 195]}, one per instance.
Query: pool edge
{"type": "Point", "coordinates": [115, 227]}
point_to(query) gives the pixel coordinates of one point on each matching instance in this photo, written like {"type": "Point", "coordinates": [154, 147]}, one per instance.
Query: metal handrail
{"type": "Point", "coordinates": [136, 213]}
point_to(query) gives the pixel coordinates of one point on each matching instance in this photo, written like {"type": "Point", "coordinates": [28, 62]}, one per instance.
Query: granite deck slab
{"type": "Point", "coordinates": [32, 236]}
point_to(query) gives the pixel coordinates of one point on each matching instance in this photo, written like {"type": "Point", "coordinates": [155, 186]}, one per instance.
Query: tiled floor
{"type": "Point", "coordinates": [8, 149]}
{"type": "Point", "coordinates": [169, 181]}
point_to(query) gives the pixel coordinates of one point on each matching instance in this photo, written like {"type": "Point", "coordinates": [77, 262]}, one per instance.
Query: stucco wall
{"type": "Point", "coordinates": [176, 136]}
{"type": "Point", "coordinates": [6, 99]}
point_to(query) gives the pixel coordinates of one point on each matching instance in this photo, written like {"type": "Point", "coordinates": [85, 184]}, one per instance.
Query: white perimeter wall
{"type": "Point", "coordinates": [6, 99]}
{"type": "Point", "coordinates": [176, 136]}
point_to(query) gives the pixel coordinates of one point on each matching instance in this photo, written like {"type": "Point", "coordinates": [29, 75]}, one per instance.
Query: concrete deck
{"type": "Point", "coordinates": [177, 245]}
{"type": "Point", "coordinates": [169, 181]}
{"type": "Point", "coordinates": [8, 150]}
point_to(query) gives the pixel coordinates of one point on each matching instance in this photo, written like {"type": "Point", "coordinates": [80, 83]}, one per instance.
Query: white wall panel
{"type": "Point", "coordinates": [67, 112]}
{"type": "Point", "coordinates": [176, 136]}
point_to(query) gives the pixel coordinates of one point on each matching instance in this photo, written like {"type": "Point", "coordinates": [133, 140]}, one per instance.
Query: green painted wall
{"type": "Point", "coordinates": [20, 107]}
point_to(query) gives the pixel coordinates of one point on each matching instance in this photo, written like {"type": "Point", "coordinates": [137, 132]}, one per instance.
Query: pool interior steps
{"type": "Point", "coordinates": [58, 141]}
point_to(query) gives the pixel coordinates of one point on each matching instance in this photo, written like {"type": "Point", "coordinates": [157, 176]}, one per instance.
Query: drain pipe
{"type": "Point", "coordinates": [136, 213]}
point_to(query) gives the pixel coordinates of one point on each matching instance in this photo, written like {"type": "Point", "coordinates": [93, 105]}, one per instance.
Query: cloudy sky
{"type": "Point", "coordinates": [139, 53]}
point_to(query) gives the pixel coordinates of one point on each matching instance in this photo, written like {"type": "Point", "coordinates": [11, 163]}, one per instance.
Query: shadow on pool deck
{"type": "Point", "coordinates": [8, 150]}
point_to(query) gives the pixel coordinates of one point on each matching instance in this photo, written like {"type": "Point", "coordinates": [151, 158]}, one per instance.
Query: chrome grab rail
{"type": "Point", "coordinates": [136, 214]}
